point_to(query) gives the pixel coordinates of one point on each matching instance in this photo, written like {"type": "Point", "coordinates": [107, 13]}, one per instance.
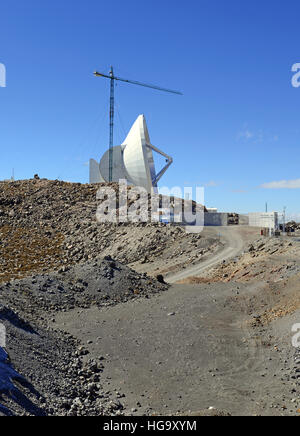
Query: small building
{"type": "Point", "coordinates": [267, 220]}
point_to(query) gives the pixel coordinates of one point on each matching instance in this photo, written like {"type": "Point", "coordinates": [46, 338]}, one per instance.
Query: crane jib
{"type": "Point", "coordinates": [134, 82]}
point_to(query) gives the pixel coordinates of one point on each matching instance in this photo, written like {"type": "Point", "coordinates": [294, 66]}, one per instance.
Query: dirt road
{"type": "Point", "coordinates": [234, 240]}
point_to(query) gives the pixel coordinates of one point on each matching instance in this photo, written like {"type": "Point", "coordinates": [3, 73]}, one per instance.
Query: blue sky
{"type": "Point", "coordinates": [236, 129]}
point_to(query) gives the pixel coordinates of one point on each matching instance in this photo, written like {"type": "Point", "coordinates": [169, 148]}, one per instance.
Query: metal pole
{"type": "Point", "coordinates": [111, 123]}
{"type": "Point", "coordinates": [284, 209]}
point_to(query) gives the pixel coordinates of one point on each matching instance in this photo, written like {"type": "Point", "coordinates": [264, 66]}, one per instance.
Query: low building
{"type": "Point", "coordinates": [267, 220]}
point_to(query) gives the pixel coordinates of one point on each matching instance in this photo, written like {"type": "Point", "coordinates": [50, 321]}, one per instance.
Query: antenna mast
{"type": "Point", "coordinates": [111, 123]}
{"type": "Point", "coordinates": [112, 78]}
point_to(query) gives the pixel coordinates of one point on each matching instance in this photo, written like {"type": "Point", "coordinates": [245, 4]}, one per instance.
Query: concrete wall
{"type": "Point", "coordinates": [243, 220]}
{"type": "Point", "coordinates": [215, 219]}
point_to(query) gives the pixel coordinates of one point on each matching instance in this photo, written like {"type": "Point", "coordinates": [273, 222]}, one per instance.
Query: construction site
{"type": "Point", "coordinates": [69, 285]}
{"type": "Point", "coordinates": [149, 231]}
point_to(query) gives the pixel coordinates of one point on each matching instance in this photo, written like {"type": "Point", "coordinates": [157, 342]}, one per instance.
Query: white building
{"type": "Point", "coordinates": [264, 220]}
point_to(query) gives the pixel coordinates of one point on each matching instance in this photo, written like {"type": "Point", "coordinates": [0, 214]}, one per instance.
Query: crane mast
{"type": "Point", "coordinates": [111, 123]}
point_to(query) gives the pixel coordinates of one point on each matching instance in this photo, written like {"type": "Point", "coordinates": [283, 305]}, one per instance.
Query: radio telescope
{"type": "Point", "coordinates": [133, 160]}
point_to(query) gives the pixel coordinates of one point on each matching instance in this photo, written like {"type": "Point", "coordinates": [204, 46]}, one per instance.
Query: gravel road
{"type": "Point", "coordinates": [234, 240]}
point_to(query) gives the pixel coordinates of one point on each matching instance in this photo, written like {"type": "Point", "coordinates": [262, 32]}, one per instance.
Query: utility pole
{"type": "Point", "coordinates": [284, 213]}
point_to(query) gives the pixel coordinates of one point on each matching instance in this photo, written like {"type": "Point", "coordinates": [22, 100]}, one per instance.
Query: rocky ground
{"type": "Point", "coordinates": [273, 262]}
{"type": "Point", "coordinates": [56, 375]}
{"type": "Point", "coordinates": [270, 270]}
{"type": "Point", "coordinates": [92, 329]}
{"type": "Point", "coordinates": [54, 257]}
{"type": "Point", "coordinates": [44, 374]}
{"type": "Point", "coordinates": [266, 259]}
{"type": "Point", "coordinates": [194, 349]}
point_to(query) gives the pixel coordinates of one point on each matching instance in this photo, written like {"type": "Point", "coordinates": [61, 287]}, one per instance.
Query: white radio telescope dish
{"type": "Point", "coordinates": [133, 160]}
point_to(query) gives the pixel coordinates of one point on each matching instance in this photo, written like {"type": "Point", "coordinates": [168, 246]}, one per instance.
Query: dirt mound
{"type": "Point", "coordinates": [47, 224]}
{"type": "Point", "coordinates": [98, 282]}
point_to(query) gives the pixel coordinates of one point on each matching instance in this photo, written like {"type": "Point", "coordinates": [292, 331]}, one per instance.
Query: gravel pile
{"type": "Point", "coordinates": [99, 282]}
